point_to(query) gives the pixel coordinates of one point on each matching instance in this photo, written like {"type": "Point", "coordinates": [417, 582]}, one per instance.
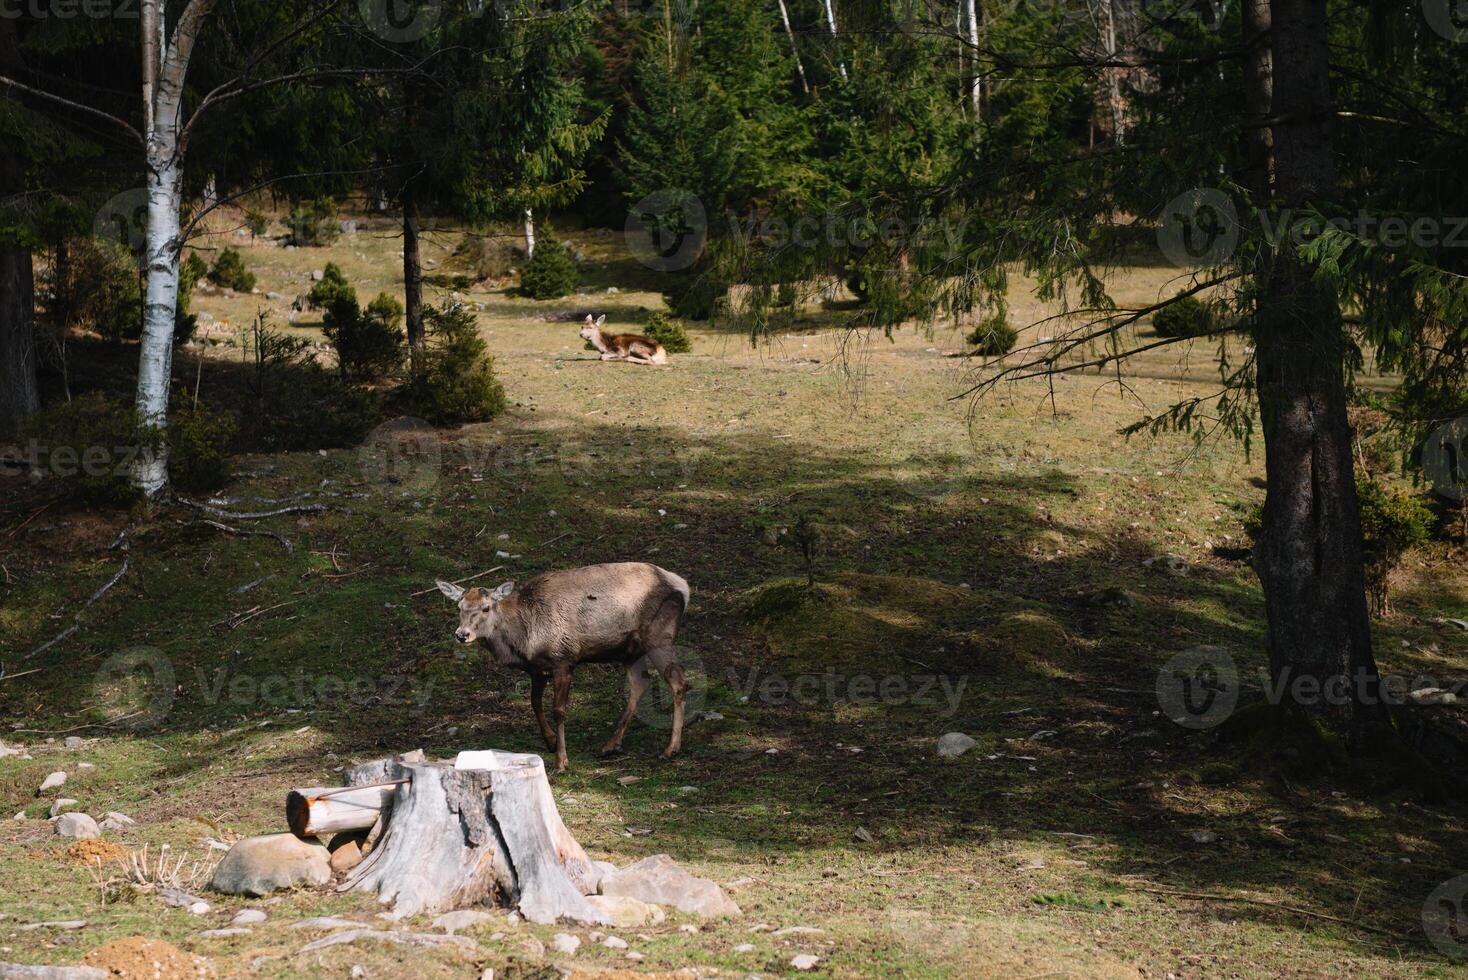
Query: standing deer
{"type": "Point", "coordinates": [632, 347]}
{"type": "Point", "coordinates": [626, 613]}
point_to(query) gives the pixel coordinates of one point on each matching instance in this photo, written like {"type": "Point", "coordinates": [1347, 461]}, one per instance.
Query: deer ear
{"type": "Point", "coordinates": [451, 590]}
{"type": "Point", "coordinates": [599, 320]}
{"type": "Point", "coordinates": [589, 322]}
{"type": "Point", "coordinates": [503, 592]}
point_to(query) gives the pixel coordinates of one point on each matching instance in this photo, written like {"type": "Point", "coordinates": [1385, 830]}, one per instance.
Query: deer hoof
{"type": "Point", "coordinates": [667, 753]}
{"type": "Point", "coordinates": [610, 750]}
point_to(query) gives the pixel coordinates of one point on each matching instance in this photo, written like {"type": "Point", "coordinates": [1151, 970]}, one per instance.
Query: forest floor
{"type": "Point", "coordinates": [979, 568]}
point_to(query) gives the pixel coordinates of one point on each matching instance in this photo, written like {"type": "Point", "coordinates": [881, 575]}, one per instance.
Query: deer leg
{"type": "Point", "coordinates": [638, 681]}
{"type": "Point", "coordinates": [562, 695]}
{"type": "Point", "coordinates": [665, 659]}
{"type": "Point", "coordinates": [611, 357]}
{"type": "Point", "coordinates": [537, 702]}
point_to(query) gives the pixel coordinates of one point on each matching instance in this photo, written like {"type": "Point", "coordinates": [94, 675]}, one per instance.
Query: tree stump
{"type": "Point", "coordinates": [456, 837]}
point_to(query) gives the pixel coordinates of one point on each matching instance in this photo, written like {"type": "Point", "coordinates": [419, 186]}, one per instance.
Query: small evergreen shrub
{"type": "Point", "coordinates": [229, 272]}
{"type": "Point", "coordinates": [103, 291]}
{"type": "Point", "coordinates": [550, 274]}
{"type": "Point", "coordinates": [368, 343]}
{"type": "Point", "coordinates": [993, 336]}
{"type": "Point", "coordinates": [1186, 316]}
{"type": "Point", "coordinates": [487, 256]}
{"type": "Point", "coordinates": [313, 223]}
{"type": "Point", "coordinates": [198, 448]}
{"type": "Point", "coordinates": [331, 285]}
{"type": "Point", "coordinates": [694, 296]}
{"type": "Point", "coordinates": [90, 445]}
{"type": "Point", "coordinates": [458, 383]}
{"type": "Point", "coordinates": [257, 222]}
{"type": "Point", "coordinates": [1392, 524]}
{"type": "Point", "coordinates": [668, 332]}
{"type": "Point", "coordinates": [314, 409]}
{"type": "Point", "coordinates": [786, 295]}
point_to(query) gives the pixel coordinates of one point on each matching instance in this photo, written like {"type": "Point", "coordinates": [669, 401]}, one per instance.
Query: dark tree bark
{"type": "Point", "coordinates": [412, 282]}
{"type": "Point", "coordinates": [1309, 553]}
{"type": "Point", "coordinates": [18, 395]}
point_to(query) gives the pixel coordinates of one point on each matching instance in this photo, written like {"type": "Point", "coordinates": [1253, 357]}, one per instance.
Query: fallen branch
{"type": "Point", "coordinates": [1266, 903]}
{"type": "Point", "coordinates": [261, 515]}
{"type": "Point", "coordinates": [77, 619]}
{"type": "Point", "coordinates": [290, 549]}
{"type": "Point", "coordinates": [487, 571]}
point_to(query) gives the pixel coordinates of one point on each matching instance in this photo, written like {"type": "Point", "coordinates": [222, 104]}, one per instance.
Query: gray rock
{"type": "Point", "coordinates": [564, 942]}
{"type": "Point", "coordinates": [954, 744]}
{"type": "Point", "coordinates": [21, 971]}
{"type": "Point", "coordinates": [74, 742]}
{"type": "Point", "coordinates": [223, 933]}
{"type": "Point", "coordinates": [9, 750]}
{"type": "Point", "coordinates": [659, 881]}
{"type": "Point", "coordinates": [54, 781]}
{"type": "Point", "coordinates": [114, 821]}
{"type": "Point", "coordinates": [614, 942]}
{"type": "Point", "coordinates": [318, 274]}
{"type": "Point", "coordinates": [326, 922]}
{"type": "Point", "coordinates": [77, 825]}
{"type": "Point", "coordinates": [452, 922]}
{"type": "Point", "coordinates": [804, 961]}
{"type": "Point", "coordinates": [1171, 564]}
{"type": "Point", "coordinates": [248, 917]}
{"type": "Point", "coordinates": [59, 805]}
{"type": "Point", "coordinates": [260, 865]}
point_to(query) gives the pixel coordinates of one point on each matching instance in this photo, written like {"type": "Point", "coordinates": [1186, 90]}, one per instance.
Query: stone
{"type": "Point", "coordinates": [804, 961]}
{"type": "Point", "coordinates": [223, 933]}
{"type": "Point", "coordinates": [564, 942]}
{"type": "Point", "coordinates": [54, 781]}
{"type": "Point", "coordinates": [77, 825]}
{"type": "Point", "coordinates": [114, 821]}
{"type": "Point", "coordinates": [659, 881]}
{"type": "Point", "coordinates": [1431, 695]}
{"type": "Point", "coordinates": [625, 912]}
{"type": "Point", "coordinates": [248, 917]}
{"type": "Point", "coordinates": [346, 857]}
{"type": "Point", "coordinates": [21, 971]}
{"type": "Point", "coordinates": [74, 742]}
{"type": "Point", "coordinates": [260, 865]}
{"type": "Point", "coordinates": [689, 928]}
{"type": "Point", "coordinates": [614, 942]}
{"type": "Point", "coordinates": [954, 744]}
{"type": "Point", "coordinates": [318, 274]}
{"type": "Point", "coordinates": [59, 805]}
{"type": "Point", "coordinates": [1171, 564]}
{"type": "Point", "coordinates": [452, 922]}
{"type": "Point", "coordinates": [326, 922]}
{"type": "Point", "coordinates": [744, 948]}
{"type": "Point", "coordinates": [798, 931]}
{"type": "Point", "coordinates": [9, 750]}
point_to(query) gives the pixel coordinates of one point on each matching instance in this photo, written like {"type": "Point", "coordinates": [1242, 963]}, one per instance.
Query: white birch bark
{"type": "Point", "coordinates": [831, 22]}
{"type": "Point", "coordinates": [794, 48]}
{"type": "Point", "coordinates": [973, 40]}
{"type": "Point", "coordinates": [529, 233]}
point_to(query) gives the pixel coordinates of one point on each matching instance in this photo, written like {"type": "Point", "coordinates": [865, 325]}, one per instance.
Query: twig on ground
{"type": "Point", "coordinates": [487, 571]}
{"type": "Point", "coordinates": [261, 515]}
{"type": "Point", "coordinates": [37, 513]}
{"type": "Point", "coordinates": [1212, 897]}
{"type": "Point", "coordinates": [77, 619]}
{"type": "Point", "coordinates": [290, 549]}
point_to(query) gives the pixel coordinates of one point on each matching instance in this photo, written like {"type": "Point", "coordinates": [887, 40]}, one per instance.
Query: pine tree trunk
{"type": "Point", "coordinates": [18, 394]}
{"type": "Point", "coordinates": [412, 283]}
{"type": "Point", "coordinates": [1309, 554]}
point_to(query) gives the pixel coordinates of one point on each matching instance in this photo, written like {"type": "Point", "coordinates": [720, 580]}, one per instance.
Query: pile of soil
{"type": "Point", "coordinates": [140, 958]}
{"type": "Point", "coordinates": [96, 851]}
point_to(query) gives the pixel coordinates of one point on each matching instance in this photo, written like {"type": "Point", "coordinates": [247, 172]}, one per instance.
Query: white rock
{"type": "Point", "coordinates": [613, 942]}
{"type": "Point", "coordinates": [199, 908]}
{"type": "Point", "coordinates": [564, 942]}
{"type": "Point", "coordinates": [260, 865]}
{"type": "Point", "coordinates": [626, 912]}
{"type": "Point", "coordinates": [798, 931]}
{"type": "Point", "coordinates": [635, 957]}
{"type": "Point", "coordinates": [804, 961]}
{"type": "Point", "coordinates": [452, 922]}
{"type": "Point", "coordinates": [60, 804]}
{"type": "Point", "coordinates": [222, 933]}
{"type": "Point", "coordinates": [744, 948]}
{"type": "Point", "coordinates": [53, 781]}
{"type": "Point", "coordinates": [74, 742]}
{"type": "Point", "coordinates": [326, 922]}
{"type": "Point", "coordinates": [77, 825]}
{"type": "Point", "coordinates": [114, 821]}
{"type": "Point", "coordinates": [954, 744]}
{"type": "Point", "coordinates": [248, 917]}
{"type": "Point", "coordinates": [689, 928]}
{"type": "Point", "coordinates": [658, 880]}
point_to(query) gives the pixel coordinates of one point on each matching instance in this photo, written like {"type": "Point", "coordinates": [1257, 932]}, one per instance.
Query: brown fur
{"type": "Point", "coordinates": [632, 347]}
{"type": "Point", "coordinates": [626, 613]}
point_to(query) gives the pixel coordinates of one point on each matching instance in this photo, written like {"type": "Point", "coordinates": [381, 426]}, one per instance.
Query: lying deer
{"type": "Point", "coordinates": [622, 346]}
{"type": "Point", "coordinates": [626, 613]}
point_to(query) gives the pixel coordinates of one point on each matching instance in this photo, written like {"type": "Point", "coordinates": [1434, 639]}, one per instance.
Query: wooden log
{"type": "Point", "coordinates": [329, 810]}
{"type": "Point", "coordinates": [459, 837]}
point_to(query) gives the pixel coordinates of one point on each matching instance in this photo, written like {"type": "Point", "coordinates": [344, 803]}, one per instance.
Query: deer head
{"type": "Point", "coordinates": [477, 608]}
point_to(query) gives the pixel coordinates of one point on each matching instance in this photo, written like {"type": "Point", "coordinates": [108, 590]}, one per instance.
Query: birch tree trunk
{"type": "Point", "coordinates": [1113, 73]}
{"type": "Point", "coordinates": [529, 233]}
{"type": "Point", "coordinates": [831, 23]}
{"type": "Point", "coordinates": [165, 65]}
{"type": "Point", "coordinates": [975, 90]}
{"type": "Point", "coordinates": [794, 48]}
